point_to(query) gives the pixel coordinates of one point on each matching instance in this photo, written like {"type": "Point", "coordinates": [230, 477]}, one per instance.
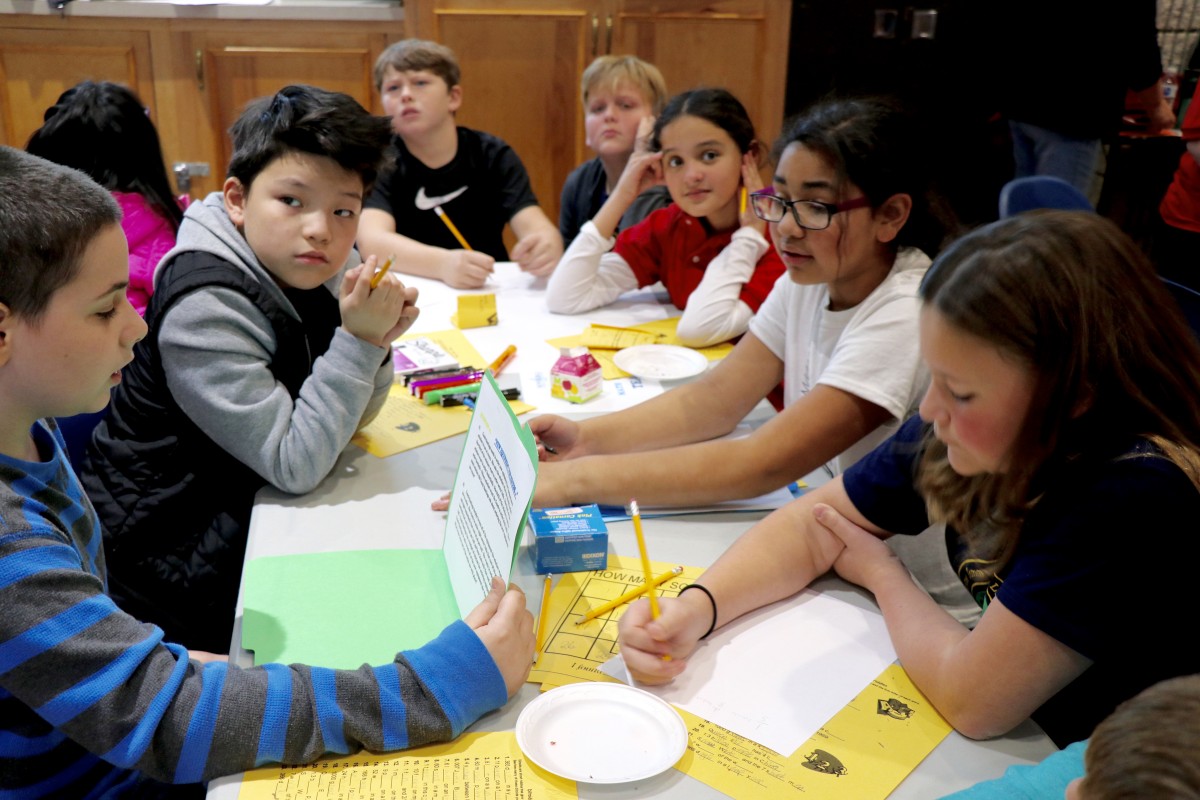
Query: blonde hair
{"type": "Point", "coordinates": [608, 72]}
{"type": "Point", "coordinates": [419, 54]}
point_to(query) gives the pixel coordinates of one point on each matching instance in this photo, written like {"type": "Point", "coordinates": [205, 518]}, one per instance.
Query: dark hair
{"type": "Point", "coordinates": [306, 119]}
{"type": "Point", "coordinates": [419, 54]}
{"type": "Point", "coordinates": [49, 214]}
{"type": "Point", "coordinates": [1147, 747]}
{"type": "Point", "coordinates": [877, 145]}
{"type": "Point", "coordinates": [1071, 297]}
{"type": "Point", "coordinates": [717, 106]}
{"type": "Point", "coordinates": [102, 129]}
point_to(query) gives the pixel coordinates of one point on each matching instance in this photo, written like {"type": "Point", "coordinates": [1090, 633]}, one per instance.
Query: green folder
{"type": "Point", "coordinates": [354, 607]}
{"type": "Point", "coordinates": [344, 609]}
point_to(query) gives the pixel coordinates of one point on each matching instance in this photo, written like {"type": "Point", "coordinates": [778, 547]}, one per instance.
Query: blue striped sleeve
{"type": "Point", "coordinates": [198, 742]}
{"type": "Point", "coordinates": [330, 715]}
{"type": "Point", "coordinates": [51, 632]}
{"type": "Point", "coordinates": [25, 563]}
{"type": "Point", "coordinates": [460, 673]}
{"type": "Point", "coordinates": [80, 697]}
{"type": "Point", "coordinates": [395, 716]}
{"type": "Point", "coordinates": [277, 710]}
{"type": "Point", "coordinates": [129, 750]}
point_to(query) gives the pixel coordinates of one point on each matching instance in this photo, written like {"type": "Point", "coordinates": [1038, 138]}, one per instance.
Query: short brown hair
{"type": "Point", "coordinates": [49, 215]}
{"type": "Point", "coordinates": [609, 71]}
{"type": "Point", "coordinates": [1148, 746]}
{"type": "Point", "coordinates": [414, 54]}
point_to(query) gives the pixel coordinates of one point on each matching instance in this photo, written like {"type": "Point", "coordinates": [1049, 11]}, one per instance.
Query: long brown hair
{"type": "Point", "coordinates": [1071, 297]}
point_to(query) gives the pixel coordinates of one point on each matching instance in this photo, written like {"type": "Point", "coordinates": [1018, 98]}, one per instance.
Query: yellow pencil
{"type": "Point", "coordinates": [378, 276]}
{"type": "Point", "coordinates": [545, 612]}
{"type": "Point", "coordinates": [633, 594]}
{"type": "Point", "coordinates": [742, 202]}
{"type": "Point", "coordinates": [446, 219]}
{"type": "Point", "coordinates": [641, 542]}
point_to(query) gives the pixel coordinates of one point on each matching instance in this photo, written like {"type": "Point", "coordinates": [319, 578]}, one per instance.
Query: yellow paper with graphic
{"type": "Point", "coordinates": [573, 653]}
{"type": "Point", "coordinates": [405, 422]}
{"type": "Point", "coordinates": [863, 753]}
{"type": "Point", "coordinates": [475, 766]}
{"type": "Point", "coordinates": [605, 340]}
{"type": "Point", "coordinates": [475, 311]}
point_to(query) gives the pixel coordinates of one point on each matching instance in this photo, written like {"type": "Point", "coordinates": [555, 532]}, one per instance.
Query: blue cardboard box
{"type": "Point", "coordinates": [573, 539]}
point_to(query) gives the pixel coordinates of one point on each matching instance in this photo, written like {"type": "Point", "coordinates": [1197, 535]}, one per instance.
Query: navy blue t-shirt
{"type": "Point", "coordinates": [1090, 567]}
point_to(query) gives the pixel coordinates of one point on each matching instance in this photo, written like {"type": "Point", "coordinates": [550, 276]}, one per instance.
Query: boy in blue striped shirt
{"type": "Point", "coordinates": [93, 703]}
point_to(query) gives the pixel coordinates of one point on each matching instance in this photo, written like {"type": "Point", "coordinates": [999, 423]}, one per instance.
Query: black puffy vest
{"type": "Point", "coordinates": [175, 507]}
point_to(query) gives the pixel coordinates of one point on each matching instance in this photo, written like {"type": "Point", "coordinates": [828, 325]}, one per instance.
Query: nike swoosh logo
{"type": "Point", "coordinates": [430, 203]}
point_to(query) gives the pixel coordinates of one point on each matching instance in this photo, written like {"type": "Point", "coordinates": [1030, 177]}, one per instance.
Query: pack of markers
{"type": "Point", "coordinates": [453, 386]}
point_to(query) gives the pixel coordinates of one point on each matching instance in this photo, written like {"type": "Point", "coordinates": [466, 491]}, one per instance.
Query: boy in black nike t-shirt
{"type": "Point", "coordinates": [443, 208]}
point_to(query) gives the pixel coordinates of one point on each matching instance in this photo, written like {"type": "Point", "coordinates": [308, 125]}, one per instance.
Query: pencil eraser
{"type": "Point", "coordinates": [573, 539]}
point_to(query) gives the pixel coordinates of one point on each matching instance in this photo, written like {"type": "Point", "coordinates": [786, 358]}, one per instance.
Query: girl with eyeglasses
{"type": "Point", "coordinates": [1059, 441]}
{"type": "Point", "coordinates": [710, 253]}
{"type": "Point", "coordinates": [849, 212]}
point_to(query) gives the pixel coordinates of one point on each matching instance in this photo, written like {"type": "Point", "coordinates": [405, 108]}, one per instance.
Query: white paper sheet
{"type": "Point", "coordinates": [777, 675]}
{"type": "Point", "coordinates": [492, 490]}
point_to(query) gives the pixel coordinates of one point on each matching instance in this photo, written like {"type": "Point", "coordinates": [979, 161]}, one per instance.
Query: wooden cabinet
{"type": "Point", "coordinates": [194, 75]}
{"type": "Point", "coordinates": [39, 64]}
{"type": "Point", "coordinates": [218, 70]}
{"type": "Point", "coordinates": [522, 63]}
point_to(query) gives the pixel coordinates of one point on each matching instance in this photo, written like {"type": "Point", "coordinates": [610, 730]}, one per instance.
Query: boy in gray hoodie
{"type": "Point", "coordinates": [267, 350]}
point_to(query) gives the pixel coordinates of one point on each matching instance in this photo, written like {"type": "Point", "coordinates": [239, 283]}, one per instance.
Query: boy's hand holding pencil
{"type": "Point", "coordinates": [375, 306]}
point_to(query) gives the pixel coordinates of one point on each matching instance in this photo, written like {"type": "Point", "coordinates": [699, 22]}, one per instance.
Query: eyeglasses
{"type": "Point", "coordinates": [812, 215]}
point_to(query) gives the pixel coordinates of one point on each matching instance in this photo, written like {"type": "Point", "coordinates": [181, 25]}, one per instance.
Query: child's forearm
{"type": "Point", "coordinates": [585, 278]}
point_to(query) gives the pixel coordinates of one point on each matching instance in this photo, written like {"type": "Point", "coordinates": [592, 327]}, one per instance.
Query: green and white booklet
{"type": "Point", "coordinates": [348, 608]}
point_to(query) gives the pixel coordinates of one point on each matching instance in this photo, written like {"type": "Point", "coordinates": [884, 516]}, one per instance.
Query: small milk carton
{"type": "Point", "coordinates": [573, 539]}
{"type": "Point", "coordinates": [576, 376]}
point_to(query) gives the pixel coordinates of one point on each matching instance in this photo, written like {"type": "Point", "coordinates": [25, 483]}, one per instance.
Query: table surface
{"type": "Point", "coordinates": [695, 540]}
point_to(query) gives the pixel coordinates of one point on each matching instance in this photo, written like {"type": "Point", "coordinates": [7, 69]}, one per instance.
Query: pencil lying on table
{"type": "Point", "coordinates": [378, 276]}
{"type": "Point", "coordinates": [632, 594]}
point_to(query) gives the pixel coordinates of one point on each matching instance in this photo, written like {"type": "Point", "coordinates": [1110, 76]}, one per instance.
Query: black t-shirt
{"type": "Point", "coordinates": [480, 190]}
{"type": "Point", "coordinates": [1102, 564]}
{"type": "Point", "coordinates": [585, 191]}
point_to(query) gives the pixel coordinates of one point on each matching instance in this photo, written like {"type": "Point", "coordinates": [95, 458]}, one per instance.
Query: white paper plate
{"type": "Point", "coordinates": [661, 362]}
{"type": "Point", "coordinates": [601, 733]}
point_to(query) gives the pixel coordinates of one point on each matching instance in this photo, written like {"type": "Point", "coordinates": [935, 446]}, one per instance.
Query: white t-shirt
{"type": "Point", "coordinates": [869, 351]}
{"type": "Point", "coordinates": [872, 352]}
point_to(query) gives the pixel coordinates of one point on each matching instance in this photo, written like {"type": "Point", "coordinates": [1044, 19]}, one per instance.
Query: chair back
{"type": "Point", "coordinates": [1040, 191]}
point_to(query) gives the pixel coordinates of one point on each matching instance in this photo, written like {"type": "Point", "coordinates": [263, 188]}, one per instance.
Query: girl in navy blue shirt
{"type": "Point", "coordinates": [1058, 441]}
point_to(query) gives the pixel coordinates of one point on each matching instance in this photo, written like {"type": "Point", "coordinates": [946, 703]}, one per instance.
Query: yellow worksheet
{"type": "Point", "coordinates": [863, 753]}
{"type": "Point", "coordinates": [405, 422]}
{"type": "Point", "coordinates": [574, 653]}
{"type": "Point", "coordinates": [605, 340]}
{"type": "Point", "coordinates": [475, 766]}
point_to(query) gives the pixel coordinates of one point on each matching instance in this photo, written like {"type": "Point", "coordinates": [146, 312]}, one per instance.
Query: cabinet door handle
{"type": "Point", "coordinates": [608, 26]}
{"type": "Point", "coordinates": [595, 33]}
{"type": "Point", "coordinates": [200, 68]}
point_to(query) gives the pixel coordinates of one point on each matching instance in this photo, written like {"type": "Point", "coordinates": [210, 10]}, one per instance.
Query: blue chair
{"type": "Point", "coordinates": [1040, 191]}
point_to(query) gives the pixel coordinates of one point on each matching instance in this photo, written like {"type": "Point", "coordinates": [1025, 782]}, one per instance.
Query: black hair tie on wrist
{"type": "Point", "coordinates": [711, 599]}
